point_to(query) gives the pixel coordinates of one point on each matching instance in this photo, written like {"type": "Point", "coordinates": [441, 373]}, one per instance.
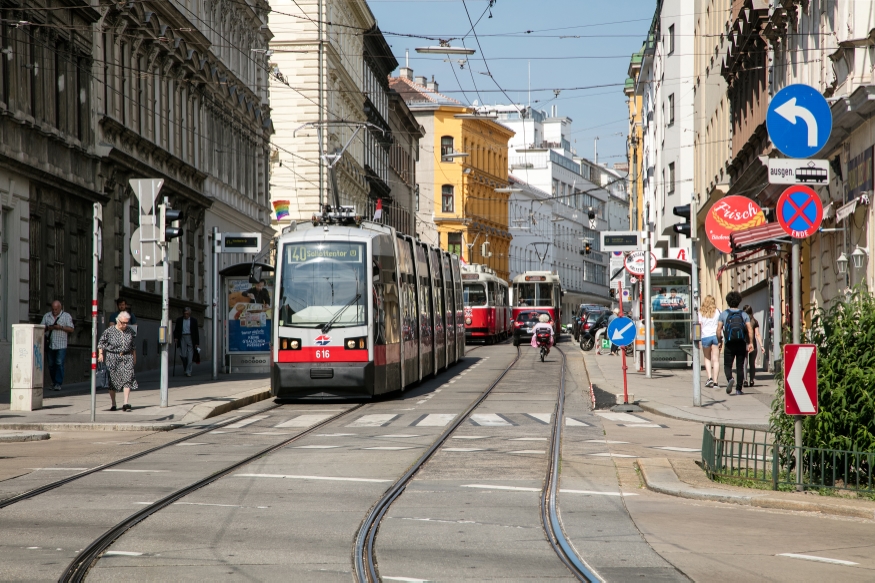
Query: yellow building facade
{"type": "Point", "coordinates": [635, 145]}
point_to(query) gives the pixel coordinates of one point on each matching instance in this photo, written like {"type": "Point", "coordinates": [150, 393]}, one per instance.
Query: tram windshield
{"type": "Point", "coordinates": [323, 282]}
{"type": "Point", "coordinates": [534, 294]}
{"type": "Point", "coordinates": [475, 294]}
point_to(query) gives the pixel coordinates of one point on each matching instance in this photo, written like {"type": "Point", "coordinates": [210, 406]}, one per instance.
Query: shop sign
{"type": "Point", "coordinates": [731, 214]}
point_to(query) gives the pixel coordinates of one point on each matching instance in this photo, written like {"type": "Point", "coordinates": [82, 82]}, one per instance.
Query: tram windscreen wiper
{"type": "Point", "coordinates": [327, 326]}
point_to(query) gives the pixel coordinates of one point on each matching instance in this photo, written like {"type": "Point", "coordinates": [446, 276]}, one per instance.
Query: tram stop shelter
{"type": "Point", "coordinates": [245, 315]}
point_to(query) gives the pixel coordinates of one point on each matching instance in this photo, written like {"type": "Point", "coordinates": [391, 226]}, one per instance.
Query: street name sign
{"type": "Point", "coordinates": [799, 121]}
{"type": "Point", "coordinates": [622, 331]}
{"type": "Point", "coordinates": [620, 240]}
{"type": "Point", "coordinates": [635, 263]}
{"type": "Point", "coordinates": [241, 242]}
{"type": "Point", "coordinates": [790, 171]}
{"type": "Point", "coordinates": [799, 211]}
{"type": "Point", "coordinates": [800, 379]}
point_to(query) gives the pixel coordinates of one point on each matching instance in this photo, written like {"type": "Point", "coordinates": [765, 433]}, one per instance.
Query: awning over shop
{"type": "Point", "coordinates": [758, 237]}
{"type": "Point", "coordinates": [241, 269]}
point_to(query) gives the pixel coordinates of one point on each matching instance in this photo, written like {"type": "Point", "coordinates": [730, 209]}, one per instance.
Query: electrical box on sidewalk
{"type": "Point", "coordinates": [28, 367]}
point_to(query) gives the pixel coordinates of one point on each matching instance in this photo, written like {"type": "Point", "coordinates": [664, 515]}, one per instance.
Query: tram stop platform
{"type": "Point", "coordinates": [190, 399]}
{"type": "Point", "coordinates": [670, 393]}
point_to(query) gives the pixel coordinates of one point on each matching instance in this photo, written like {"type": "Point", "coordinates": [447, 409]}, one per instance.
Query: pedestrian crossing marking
{"type": "Point", "coordinates": [463, 449]}
{"type": "Point", "coordinates": [540, 417]}
{"type": "Point", "coordinates": [673, 448]}
{"type": "Point", "coordinates": [491, 420]}
{"type": "Point", "coordinates": [528, 439]}
{"type": "Point", "coordinates": [611, 455]}
{"type": "Point", "coordinates": [572, 422]}
{"type": "Point", "coordinates": [434, 420]}
{"type": "Point", "coordinates": [654, 425]}
{"type": "Point", "coordinates": [315, 446]}
{"type": "Point", "coordinates": [373, 420]}
{"type": "Point", "coordinates": [389, 448]}
{"type": "Point", "coordinates": [537, 451]}
{"type": "Point", "coordinates": [246, 422]}
{"type": "Point", "coordinates": [302, 421]}
{"type": "Point", "coordinates": [620, 417]}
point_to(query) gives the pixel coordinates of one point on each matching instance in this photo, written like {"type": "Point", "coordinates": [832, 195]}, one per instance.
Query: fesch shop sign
{"type": "Point", "coordinates": [730, 214]}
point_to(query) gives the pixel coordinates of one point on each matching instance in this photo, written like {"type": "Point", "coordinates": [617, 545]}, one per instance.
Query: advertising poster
{"type": "Point", "coordinates": [670, 299]}
{"type": "Point", "coordinates": [249, 316]}
{"type": "Point", "coordinates": [730, 214]}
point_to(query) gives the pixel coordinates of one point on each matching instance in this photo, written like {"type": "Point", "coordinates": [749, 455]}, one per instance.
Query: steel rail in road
{"type": "Point", "coordinates": [78, 569]}
{"type": "Point", "coordinates": [364, 563]}
{"type": "Point", "coordinates": [549, 511]}
{"type": "Point", "coordinates": [58, 483]}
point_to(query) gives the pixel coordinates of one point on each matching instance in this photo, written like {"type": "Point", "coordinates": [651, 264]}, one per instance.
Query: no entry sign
{"type": "Point", "coordinates": [799, 211]}
{"type": "Point", "coordinates": [800, 379]}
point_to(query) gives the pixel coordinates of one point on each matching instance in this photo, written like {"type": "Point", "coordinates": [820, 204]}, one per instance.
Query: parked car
{"type": "Point", "coordinates": [581, 316]}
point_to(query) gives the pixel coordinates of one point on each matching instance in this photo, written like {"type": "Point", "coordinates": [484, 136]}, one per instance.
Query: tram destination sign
{"type": "Point", "coordinates": [241, 242]}
{"type": "Point", "coordinates": [620, 240]}
{"type": "Point", "coordinates": [789, 171]}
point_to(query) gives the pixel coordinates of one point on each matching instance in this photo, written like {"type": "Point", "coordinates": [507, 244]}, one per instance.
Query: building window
{"type": "Point", "coordinates": [454, 243]}
{"type": "Point", "coordinates": [416, 196]}
{"type": "Point", "coordinates": [671, 109]}
{"type": "Point", "coordinates": [446, 148]}
{"type": "Point", "coordinates": [671, 177]}
{"type": "Point", "coordinates": [447, 198]}
{"type": "Point", "coordinates": [670, 40]}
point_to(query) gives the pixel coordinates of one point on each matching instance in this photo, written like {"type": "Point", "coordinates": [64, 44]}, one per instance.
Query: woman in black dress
{"type": "Point", "coordinates": [758, 347]}
{"type": "Point", "coordinates": [116, 348]}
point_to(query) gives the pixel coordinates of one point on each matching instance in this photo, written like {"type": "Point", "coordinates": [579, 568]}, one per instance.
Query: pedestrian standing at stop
{"type": "Point", "coordinates": [116, 348]}
{"type": "Point", "coordinates": [59, 325]}
{"type": "Point", "coordinates": [709, 318]}
{"type": "Point", "coordinates": [187, 337]}
{"type": "Point", "coordinates": [122, 305]}
{"type": "Point", "coordinates": [736, 332]}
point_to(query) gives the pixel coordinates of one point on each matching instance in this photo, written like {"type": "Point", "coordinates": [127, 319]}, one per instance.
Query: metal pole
{"type": "Point", "coordinates": [777, 316]}
{"type": "Point", "coordinates": [648, 336]}
{"type": "Point", "coordinates": [215, 341]}
{"type": "Point", "coordinates": [623, 348]}
{"type": "Point", "coordinates": [165, 319]}
{"type": "Point", "coordinates": [98, 212]}
{"type": "Point", "coordinates": [694, 292]}
{"type": "Point", "coordinates": [796, 313]}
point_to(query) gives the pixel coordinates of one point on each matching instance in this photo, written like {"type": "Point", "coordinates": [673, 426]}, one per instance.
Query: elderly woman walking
{"type": "Point", "coordinates": [116, 348]}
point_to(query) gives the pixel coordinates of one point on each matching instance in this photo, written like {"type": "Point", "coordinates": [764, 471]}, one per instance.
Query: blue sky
{"type": "Point", "coordinates": [601, 36]}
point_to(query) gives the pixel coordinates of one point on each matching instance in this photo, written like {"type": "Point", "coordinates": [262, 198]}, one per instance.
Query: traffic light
{"type": "Point", "coordinates": [613, 293]}
{"type": "Point", "coordinates": [591, 213]}
{"type": "Point", "coordinates": [687, 228]}
{"type": "Point", "coordinates": [587, 248]}
{"type": "Point", "coordinates": [169, 223]}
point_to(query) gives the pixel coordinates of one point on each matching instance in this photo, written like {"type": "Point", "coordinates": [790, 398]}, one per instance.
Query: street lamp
{"type": "Point", "coordinates": [508, 190]}
{"type": "Point", "coordinates": [842, 263]}
{"type": "Point", "coordinates": [858, 255]}
{"type": "Point", "coordinates": [451, 155]}
{"type": "Point", "coordinates": [445, 49]}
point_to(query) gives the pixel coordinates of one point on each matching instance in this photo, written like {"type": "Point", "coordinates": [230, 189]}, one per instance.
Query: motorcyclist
{"type": "Point", "coordinates": [544, 323]}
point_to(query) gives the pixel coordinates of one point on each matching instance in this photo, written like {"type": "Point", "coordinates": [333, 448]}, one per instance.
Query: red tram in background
{"type": "Point", "coordinates": [534, 293]}
{"type": "Point", "coordinates": [487, 306]}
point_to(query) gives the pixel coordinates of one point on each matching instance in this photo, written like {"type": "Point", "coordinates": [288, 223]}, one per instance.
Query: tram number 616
{"type": "Point", "coordinates": [322, 354]}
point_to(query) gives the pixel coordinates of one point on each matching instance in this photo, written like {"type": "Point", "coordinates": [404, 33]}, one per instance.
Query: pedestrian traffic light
{"type": "Point", "coordinates": [687, 228]}
{"type": "Point", "coordinates": [169, 222]}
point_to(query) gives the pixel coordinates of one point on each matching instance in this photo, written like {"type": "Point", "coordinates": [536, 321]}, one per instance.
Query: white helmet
{"type": "Point", "coordinates": [544, 318]}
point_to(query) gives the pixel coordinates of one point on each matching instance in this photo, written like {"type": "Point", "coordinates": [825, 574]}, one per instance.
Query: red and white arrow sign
{"type": "Point", "coordinates": [800, 379]}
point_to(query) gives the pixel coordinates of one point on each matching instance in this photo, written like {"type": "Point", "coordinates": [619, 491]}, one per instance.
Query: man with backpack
{"type": "Point", "coordinates": [734, 328]}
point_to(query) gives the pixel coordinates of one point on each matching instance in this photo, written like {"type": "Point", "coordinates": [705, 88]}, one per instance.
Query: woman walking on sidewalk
{"type": "Point", "coordinates": [709, 316]}
{"type": "Point", "coordinates": [116, 348]}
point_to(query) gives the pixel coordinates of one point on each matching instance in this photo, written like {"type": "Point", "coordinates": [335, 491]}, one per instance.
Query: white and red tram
{"type": "Point", "coordinates": [487, 305]}
{"type": "Point", "coordinates": [361, 311]}
{"type": "Point", "coordinates": [537, 291]}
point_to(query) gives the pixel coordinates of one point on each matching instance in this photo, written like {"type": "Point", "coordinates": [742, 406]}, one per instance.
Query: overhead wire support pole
{"type": "Point", "coordinates": [648, 324]}
{"type": "Point", "coordinates": [95, 265]}
{"type": "Point", "coordinates": [164, 336]}
{"type": "Point", "coordinates": [694, 308]}
{"type": "Point", "coordinates": [215, 327]}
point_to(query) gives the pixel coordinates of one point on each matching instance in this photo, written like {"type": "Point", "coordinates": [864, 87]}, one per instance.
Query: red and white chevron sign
{"type": "Point", "coordinates": [800, 379]}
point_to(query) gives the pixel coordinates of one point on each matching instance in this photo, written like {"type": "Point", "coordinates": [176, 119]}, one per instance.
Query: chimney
{"type": "Point", "coordinates": [405, 71]}
{"type": "Point", "coordinates": [432, 85]}
{"type": "Point", "coordinates": [420, 80]}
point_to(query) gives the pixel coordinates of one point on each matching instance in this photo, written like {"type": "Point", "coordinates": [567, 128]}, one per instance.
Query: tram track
{"type": "Point", "coordinates": [78, 569]}
{"type": "Point", "coordinates": [364, 557]}
{"type": "Point", "coordinates": [63, 481]}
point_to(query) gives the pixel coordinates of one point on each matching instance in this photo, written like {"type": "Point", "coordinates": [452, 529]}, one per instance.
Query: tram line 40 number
{"type": "Point", "coordinates": [323, 354]}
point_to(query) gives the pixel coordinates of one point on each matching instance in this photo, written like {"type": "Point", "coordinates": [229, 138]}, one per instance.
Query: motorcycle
{"type": "Point", "coordinates": [587, 337]}
{"type": "Point", "coordinates": [543, 340]}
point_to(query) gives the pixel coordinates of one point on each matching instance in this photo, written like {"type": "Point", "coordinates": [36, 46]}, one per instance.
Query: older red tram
{"type": "Point", "coordinates": [487, 306]}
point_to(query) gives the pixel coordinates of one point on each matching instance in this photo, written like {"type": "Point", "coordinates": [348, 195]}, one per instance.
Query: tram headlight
{"type": "Point", "coordinates": [294, 344]}
{"type": "Point", "coordinates": [290, 344]}
{"type": "Point", "coordinates": [358, 343]}
{"type": "Point", "coordinates": [467, 321]}
{"type": "Point", "coordinates": [350, 344]}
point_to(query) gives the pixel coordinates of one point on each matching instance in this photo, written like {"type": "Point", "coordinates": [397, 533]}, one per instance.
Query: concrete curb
{"type": "Point", "coordinates": [91, 426]}
{"type": "Point", "coordinates": [220, 406]}
{"type": "Point", "coordinates": [19, 436]}
{"type": "Point", "coordinates": [660, 476]}
{"type": "Point", "coordinates": [681, 415]}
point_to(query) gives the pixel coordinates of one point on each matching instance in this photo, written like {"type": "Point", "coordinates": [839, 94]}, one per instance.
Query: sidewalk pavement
{"type": "Point", "coordinates": [190, 399]}
{"type": "Point", "coordinates": [670, 392]}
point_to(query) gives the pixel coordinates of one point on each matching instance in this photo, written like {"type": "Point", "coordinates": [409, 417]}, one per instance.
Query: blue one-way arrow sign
{"type": "Point", "coordinates": [799, 121]}
{"type": "Point", "coordinates": [622, 331]}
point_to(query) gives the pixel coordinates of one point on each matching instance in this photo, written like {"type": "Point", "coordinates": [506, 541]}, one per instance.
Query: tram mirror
{"type": "Point", "coordinates": [255, 274]}
{"type": "Point", "coordinates": [375, 269]}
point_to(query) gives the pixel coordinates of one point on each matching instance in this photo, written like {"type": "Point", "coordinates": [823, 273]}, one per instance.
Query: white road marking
{"type": "Point", "coordinates": [538, 451]}
{"type": "Point", "coordinates": [569, 422]}
{"type": "Point", "coordinates": [335, 434]}
{"type": "Point", "coordinates": [544, 418]}
{"type": "Point", "coordinates": [421, 402]}
{"type": "Point", "coordinates": [563, 491]}
{"type": "Point", "coordinates": [218, 432]}
{"type": "Point", "coordinates": [463, 449]}
{"type": "Point", "coordinates": [594, 493]}
{"type": "Point", "coordinates": [32, 548]}
{"type": "Point", "coordinates": [528, 439]}
{"type": "Point", "coordinates": [59, 469]}
{"type": "Point", "coordinates": [489, 420]}
{"type": "Point", "coordinates": [818, 559]}
{"type": "Point", "coordinates": [435, 420]}
{"type": "Point", "coordinates": [272, 433]}
{"type": "Point", "coordinates": [373, 420]}
{"type": "Point", "coordinates": [654, 425]}
{"type": "Point", "coordinates": [470, 436]}
{"type": "Point", "coordinates": [611, 455]}
{"type": "Point", "coordinates": [327, 478]}
{"type": "Point", "coordinates": [122, 554]}
{"type": "Point", "coordinates": [400, 435]}
{"type": "Point", "coordinates": [182, 444]}
{"type": "Point", "coordinates": [136, 471]}
{"type": "Point", "coordinates": [302, 421]}
{"type": "Point", "coordinates": [672, 448]}
{"type": "Point", "coordinates": [604, 441]}
{"type": "Point", "coordinates": [205, 504]}
{"type": "Point", "coordinates": [388, 448]}
{"type": "Point", "coordinates": [407, 579]}
{"type": "Point", "coordinates": [620, 417]}
{"type": "Point", "coordinates": [315, 446]}
{"type": "Point", "coordinates": [246, 422]}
